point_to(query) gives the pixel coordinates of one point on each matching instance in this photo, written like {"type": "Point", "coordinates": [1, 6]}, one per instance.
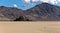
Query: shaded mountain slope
{"type": "Point", "coordinates": [43, 12]}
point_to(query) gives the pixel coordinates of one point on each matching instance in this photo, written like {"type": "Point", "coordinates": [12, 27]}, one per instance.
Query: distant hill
{"type": "Point", "coordinates": [41, 12]}
{"type": "Point", "coordinates": [10, 13]}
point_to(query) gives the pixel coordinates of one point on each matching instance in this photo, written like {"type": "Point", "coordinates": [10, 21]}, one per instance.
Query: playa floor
{"type": "Point", "coordinates": [30, 27]}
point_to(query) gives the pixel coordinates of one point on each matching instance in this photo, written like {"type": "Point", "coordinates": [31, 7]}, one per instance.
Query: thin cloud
{"type": "Point", "coordinates": [47, 1]}
{"type": "Point", "coordinates": [14, 5]}
{"type": "Point", "coordinates": [27, 1]}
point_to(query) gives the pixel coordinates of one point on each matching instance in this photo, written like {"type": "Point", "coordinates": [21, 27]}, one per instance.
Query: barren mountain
{"type": "Point", "coordinates": [44, 12]}
{"type": "Point", "coordinates": [41, 12]}
{"type": "Point", "coordinates": [8, 13]}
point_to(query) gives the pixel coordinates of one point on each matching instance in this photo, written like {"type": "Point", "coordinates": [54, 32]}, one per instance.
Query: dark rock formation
{"type": "Point", "coordinates": [22, 18]}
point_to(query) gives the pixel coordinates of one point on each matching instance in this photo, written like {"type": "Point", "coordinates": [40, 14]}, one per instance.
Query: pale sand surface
{"type": "Point", "coordinates": [30, 27]}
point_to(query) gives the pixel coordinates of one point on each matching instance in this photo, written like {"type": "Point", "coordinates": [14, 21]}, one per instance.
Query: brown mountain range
{"type": "Point", "coordinates": [41, 12]}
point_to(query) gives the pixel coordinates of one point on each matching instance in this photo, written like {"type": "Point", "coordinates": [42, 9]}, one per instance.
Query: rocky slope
{"type": "Point", "coordinates": [7, 13]}
{"type": "Point", "coordinates": [44, 12]}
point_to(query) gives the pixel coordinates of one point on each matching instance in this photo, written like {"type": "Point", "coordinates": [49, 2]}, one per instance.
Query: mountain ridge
{"type": "Point", "coordinates": [41, 12]}
{"type": "Point", "coordinates": [45, 11]}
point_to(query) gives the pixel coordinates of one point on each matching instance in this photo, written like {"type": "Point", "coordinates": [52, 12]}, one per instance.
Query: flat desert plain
{"type": "Point", "coordinates": [30, 27]}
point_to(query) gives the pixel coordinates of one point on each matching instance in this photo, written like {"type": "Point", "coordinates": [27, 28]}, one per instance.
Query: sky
{"type": "Point", "coordinates": [26, 4]}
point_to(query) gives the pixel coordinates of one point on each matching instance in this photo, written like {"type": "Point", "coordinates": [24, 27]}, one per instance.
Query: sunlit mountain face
{"type": "Point", "coordinates": [26, 4]}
